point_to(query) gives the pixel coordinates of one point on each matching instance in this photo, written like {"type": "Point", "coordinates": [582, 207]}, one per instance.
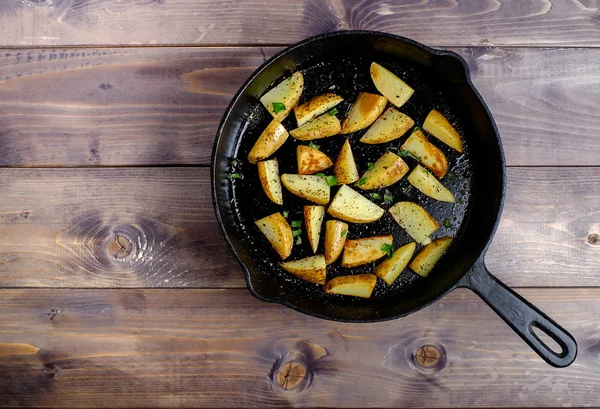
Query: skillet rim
{"type": "Point", "coordinates": [460, 282]}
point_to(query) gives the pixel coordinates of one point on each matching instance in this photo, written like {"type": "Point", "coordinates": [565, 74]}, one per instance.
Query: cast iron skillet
{"type": "Point", "coordinates": [339, 62]}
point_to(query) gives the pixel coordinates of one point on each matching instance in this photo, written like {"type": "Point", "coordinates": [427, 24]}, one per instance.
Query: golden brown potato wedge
{"type": "Point", "coordinates": [358, 285]}
{"type": "Point", "coordinates": [415, 220]}
{"type": "Point", "coordinates": [313, 220]}
{"type": "Point", "coordinates": [268, 172]}
{"type": "Point", "coordinates": [437, 125]}
{"type": "Point", "coordinates": [392, 124]}
{"type": "Point", "coordinates": [429, 154]}
{"type": "Point", "coordinates": [426, 259]}
{"type": "Point", "coordinates": [364, 112]}
{"type": "Point", "coordinates": [321, 127]}
{"type": "Point", "coordinates": [351, 206]}
{"type": "Point", "coordinates": [362, 251]}
{"type": "Point", "coordinates": [345, 167]}
{"type": "Point", "coordinates": [390, 86]}
{"type": "Point", "coordinates": [310, 187]}
{"type": "Point", "coordinates": [279, 233]}
{"type": "Point", "coordinates": [336, 233]}
{"type": "Point", "coordinates": [391, 268]}
{"type": "Point", "coordinates": [268, 142]}
{"type": "Point", "coordinates": [386, 171]}
{"type": "Point", "coordinates": [428, 184]}
{"type": "Point", "coordinates": [287, 92]}
{"type": "Point", "coordinates": [311, 160]}
{"type": "Point", "coordinates": [316, 106]}
{"type": "Point", "coordinates": [312, 269]}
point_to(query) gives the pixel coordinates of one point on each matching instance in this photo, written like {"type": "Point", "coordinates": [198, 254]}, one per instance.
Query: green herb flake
{"type": "Point", "coordinates": [451, 176]}
{"type": "Point", "coordinates": [447, 222]}
{"type": "Point", "coordinates": [296, 233]}
{"type": "Point", "coordinates": [331, 180]}
{"type": "Point", "coordinates": [296, 223]}
{"type": "Point", "coordinates": [388, 249]}
{"type": "Point", "coordinates": [234, 162]}
{"type": "Point", "coordinates": [344, 232]}
{"type": "Point", "coordinates": [322, 175]}
{"type": "Point", "coordinates": [236, 176]}
{"type": "Point", "coordinates": [370, 165]}
{"type": "Point", "coordinates": [314, 146]}
{"type": "Point", "coordinates": [333, 111]}
{"type": "Point", "coordinates": [460, 200]}
{"type": "Point", "coordinates": [278, 107]}
{"type": "Point", "coordinates": [409, 188]}
{"type": "Point", "coordinates": [405, 153]}
{"type": "Point", "coordinates": [286, 213]}
{"type": "Point", "coordinates": [375, 196]}
{"type": "Point", "coordinates": [362, 181]}
{"type": "Point", "coordinates": [388, 198]}
{"type": "Point", "coordinates": [416, 128]}
{"type": "Point", "coordinates": [375, 264]}
{"type": "Point", "coordinates": [298, 240]}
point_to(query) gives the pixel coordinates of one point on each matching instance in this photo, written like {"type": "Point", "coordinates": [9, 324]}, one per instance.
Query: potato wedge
{"type": "Point", "coordinates": [312, 269]}
{"type": "Point", "coordinates": [316, 106]}
{"type": "Point", "coordinates": [322, 126]}
{"type": "Point", "coordinates": [310, 187]}
{"type": "Point", "coordinates": [279, 233]}
{"type": "Point", "coordinates": [362, 251]}
{"type": "Point", "coordinates": [268, 172]}
{"type": "Point", "coordinates": [268, 142]}
{"type": "Point", "coordinates": [351, 206]}
{"type": "Point", "coordinates": [364, 112]}
{"type": "Point", "coordinates": [392, 124]}
{"type": "Point", "coordinates": [336, 233]}
{"type": "Point", "coordinates": [311, 160]}
{"type": "Point", "coordinates": [313, 220]}
{"type": "Point", "coordinates": [390, 269]}
{"type": "Point", "coordinates": [415, 220]}
{"type": "Point", "coordinates": [437, 125]}
{"type": "Point", "coordinates": [359, 285]}
{"type": "Point", "coordinates": [428, 184]}
{"type": "Point", "coordinates": [386, 171]}
{"type": "Point", "coordinates": [390, 86]}
{"type": "Point", "coordinates": [431, 156]}
{"type": "Point", "coordinates": [287, 92]}
{"type": "Point", "coordinates": [426, 259]}
{"type": "Point", "coordinates": [345, 169]}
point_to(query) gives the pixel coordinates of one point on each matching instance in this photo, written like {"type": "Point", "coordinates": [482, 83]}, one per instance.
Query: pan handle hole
{"type": "Point", "coordinates": [546, 338]}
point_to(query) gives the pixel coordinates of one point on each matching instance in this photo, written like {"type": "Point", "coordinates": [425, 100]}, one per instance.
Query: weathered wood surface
{"type": "Point", "coordinates": [203, 22]}
{"type": "Point", "coordinates": [160, 106]}
{"type": "Point", "coordinates": [150, 227]}
{"type": "Point", "coordinates": [219, 348]}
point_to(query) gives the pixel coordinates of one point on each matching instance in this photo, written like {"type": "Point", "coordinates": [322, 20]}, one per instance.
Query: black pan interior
{"type": "Point", "coordinates": [340, 63]}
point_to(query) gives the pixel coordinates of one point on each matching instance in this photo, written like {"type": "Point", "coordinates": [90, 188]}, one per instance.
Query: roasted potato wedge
{"type": "Point", "coordinates": [268, 172]}
{"type": "Point", "coordinates": [390, 269]}
{"type": "Point", "coordinates": [415, 220]}
{"type": "Point", "coordinates": [429, 185]}
{"type": "Point", "coordinates": [426, 259]}
{"type": "Point", "coordinates": [279, 233]}
{"type": "Point", "coordinates": [364, 112]}
{"type": "Point", "coordinates": [322, 126]}
{"type": "Point", "coordinates": [287, 92]}
{"type": "Point", "coordinates": [392, 124]}
{"type": "Point", "coordinates": [390, 86]}
{"type": "Point", "coordinates": [386, 171]}
{"type": "Point", "coordinates": [437, 125]}
{"type": "Point", "coordinates": [310, 187]}
{"type": "Point", "coordinates": [311, 160]}
{"type": "Point", "coordinates": [351, 206]}
{"type": "Point", "coordinates": [345, 169]}
{"type": "Point", "coordinates": [359, 285]}
{"type": "Point", "coordinates": [431, 156]}
{"type": "Point", "coordinates": [314, 107]}
{"type": "Point", "coordinates": [268, 142]}
{"type": "Point", "coordinates": [312, 269]}
{"type": "Point", "coordinates": [336, 233]}
{"type": "Point", "coordinates": [313, 220]}
{"type": "Point", "coordinates": [362, 251]}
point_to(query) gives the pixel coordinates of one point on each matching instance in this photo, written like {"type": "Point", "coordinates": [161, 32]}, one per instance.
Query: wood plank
{"type": "Point", "coordinates": [160, 106]}
{"type": "Point", "coordinates": [219, 348]}
{"type": "Point", "coordinates": [59, 228]}
{"type": "Point", "coordinates": [202, 22]}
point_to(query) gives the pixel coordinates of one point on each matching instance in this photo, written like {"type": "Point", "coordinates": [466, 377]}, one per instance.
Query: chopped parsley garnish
{"type": "Point", "coordinates": [375, 264]}
{"type": "Point", "coordinates": [236, 176]}
{"type": "Point", "coordinates": [331, 180]}
{"type": "Point", "coordinates": [388, 249]}
{"type": "Point", "coordinates": [278, 107]}
{"type": "Point", "coordinates": [333, 111]}
{"type": "Point", "coordinates": [370, 165]}
{"type": "Point", "coordinates": [388, 198]}
{"type": "Point", "coordinates": [375, 196]}
{"type": "Point", "coordinates": [296, 223]}
{"type": "Point", "coordinates": [234, 162]}
{"type": "Point", "coordinates": [362, 181]}
{"type": "Point", "coordinates": [314, 145]}
{"type": "Point", "coordinates": [298, 240]}
{"type": "Point", "coordinates": [286, 213]}
{"type": "Point", "coordinates": [416, 128]}
{"type": "Point", "coordinates": [320, 175]}
{"type": "Point", "coordinates": [447, 222]}
{"type": "Point", "coordinates": [460, 200]}
{"type": "Point", "coordinates": [296, 233]}
{"type": "Point", "coordinates": [408, 188]}
{"type": "Point", "coordinates": [344, 233]}
{"type": "Point", "coordinates": [405, 153]}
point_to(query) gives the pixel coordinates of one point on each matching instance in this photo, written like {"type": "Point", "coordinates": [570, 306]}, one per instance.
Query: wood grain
{"type": "Point", "coordinates": [150, 227]}
{"type": "Point", "coordinates": [162, 106]}
{"type": "Point", "coordinates": [222, 348]}
{"type": "Point", "coordinates": [203, 22]}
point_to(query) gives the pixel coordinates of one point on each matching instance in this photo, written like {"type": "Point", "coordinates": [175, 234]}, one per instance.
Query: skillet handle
{"type": "Point", "coordinates": [521, 316]}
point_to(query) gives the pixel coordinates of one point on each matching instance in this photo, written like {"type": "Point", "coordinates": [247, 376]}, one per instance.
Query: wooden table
{"type": "Point", "coordinates": [117, 287]}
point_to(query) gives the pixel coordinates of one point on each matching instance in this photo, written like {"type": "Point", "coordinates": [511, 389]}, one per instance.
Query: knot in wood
{"type": "Point", "coordinates": [427, 356]}
{"type": "Point", "coordinates": [119, 247]}
{"type": "Point", "coordinates": [291, 375]}
{"type": "Point", "coordinates": [594, 239]}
